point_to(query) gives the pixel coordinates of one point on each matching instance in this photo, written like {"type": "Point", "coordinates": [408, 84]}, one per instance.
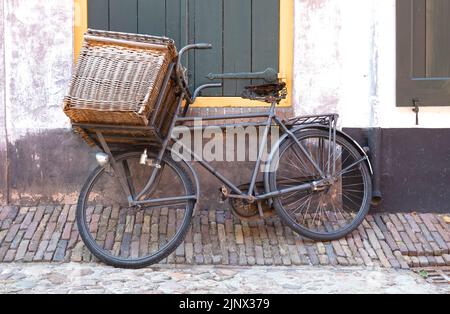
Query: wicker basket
{"type": "Point", "coordinates": [118, 79]}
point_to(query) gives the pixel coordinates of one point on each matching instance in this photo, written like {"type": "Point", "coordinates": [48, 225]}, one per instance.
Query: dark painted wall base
{"type": "Point", "coordinates": [51, 167]}
{"type": "Point", "coordinates": [414, 169]}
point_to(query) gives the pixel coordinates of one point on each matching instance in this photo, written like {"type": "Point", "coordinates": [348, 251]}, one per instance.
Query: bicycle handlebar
{"type": "Point", "coordinates": [182, 80]}
{"type": "Point", "coordinates": [190, 47]}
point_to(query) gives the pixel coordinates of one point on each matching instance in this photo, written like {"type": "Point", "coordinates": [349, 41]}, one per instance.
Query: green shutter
{"type": "Point", "coordinates": [423, 49]}
{"type": "Point", "coordinates": [245, 33]}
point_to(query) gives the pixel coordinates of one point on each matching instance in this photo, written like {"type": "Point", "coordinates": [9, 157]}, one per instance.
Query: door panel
{"type": "Point", "coordinates": [244, 33]}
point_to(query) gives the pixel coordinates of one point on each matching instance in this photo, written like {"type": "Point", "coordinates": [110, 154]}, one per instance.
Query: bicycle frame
{"type": "Point", "coordinates": [252, 195]}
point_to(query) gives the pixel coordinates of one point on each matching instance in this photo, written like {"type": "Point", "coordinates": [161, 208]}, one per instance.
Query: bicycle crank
{"type": "Point", "coordinates": [246, 210]}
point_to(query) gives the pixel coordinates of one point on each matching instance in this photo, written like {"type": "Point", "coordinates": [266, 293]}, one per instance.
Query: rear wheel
{"type": "Point", "coordinates": [333, 211]}
{"type": "Point", "coordinates": [135, 236]}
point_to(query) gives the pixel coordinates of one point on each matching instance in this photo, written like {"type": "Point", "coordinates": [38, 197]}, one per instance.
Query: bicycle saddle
{"type": "Point", "coordinates": [262, 91]}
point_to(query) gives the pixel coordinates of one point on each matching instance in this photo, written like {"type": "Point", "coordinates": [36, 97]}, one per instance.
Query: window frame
{"type": "Point", "coordinates": [429, 92]}
{"type": "Point", "coordinates": [286, 55]}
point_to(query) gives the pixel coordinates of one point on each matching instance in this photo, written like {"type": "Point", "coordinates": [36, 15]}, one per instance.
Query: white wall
{"type": "Point", "coordinates": [38, 39]}
{"type": "Point", "coordinates": [345, 62]}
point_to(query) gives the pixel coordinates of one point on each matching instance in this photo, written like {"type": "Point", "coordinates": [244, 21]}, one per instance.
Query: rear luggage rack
{"type": "Point", "coordinates": [326, 120]}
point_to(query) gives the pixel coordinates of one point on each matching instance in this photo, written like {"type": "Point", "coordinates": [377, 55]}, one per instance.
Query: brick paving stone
{"type": "Point", "coordinates": [242, 256]}
{"type": "Point", "coordinates": [412, 223]}
{"type": "Point", "coordinates": [11, 233]}
{"type": "Point", "coordinates": [6, 224]}
{"type": "Point", "coordinates": [35, 240]}
{"type": "Point", "coordinates": [72, 213]}
{"type": "Point", "coordinates": [49, 230]}
{"type": "Point", "coordinates": [387, 250]}
{"type": "Point", "coordinates": [349, 254]}
{"type": "Point", "coordinates": [27, 220]}
{"type": "Point", "coordinates": [4, 212]}
{"type": "Point", "coordinates": [60, 251]}
{"type": "Point", "coordinates": [189, 253]}
{"type": "Point", "coordinates": [383, 259]}
{"type": "Point", "coordinates": [380, 223]}
{"type": "Point", "coordinates": [10, 256]}
{"type": "Point", "coordinates": [397, 223]}
{"type": "Point", "coordinates": [50, 233]}
{"type": "Point", "coordinates": [377, 231]}
{"type": "Point", "coordinates": [358, 242]}
{"type": "Point", "coordinates": [223, 243]}
{"type": "Point", "coordinates": [446, 258]}
{"type": "Point", "coordinates": [303, 253]}
{"type": "Point", "coordinates": [343, 261]}
{"type": "Point", "coordinates": [393, 231]}
{"type": "Point", "coordinates": [402, 219]}
{"type": "Point", "coordinates": [3, 250]}
{"type": "Point", "coordinates": [370, 251]}
{"type": "Point", "coordinates": [22, 250]}
{"type": "Point", "coordinates": [239, 234]}
{"type": "Point", "coordinates": [420, 249]}
{"type": "Point", "coordinates": [440, 261]}
{"type": "Point", "coordinates": [28, 258]}
{"type": "Point", "coordinates": [67, 232]}
{"type": "Point", "coordinates": [338, 248]}
{"type": "Point", "coordinates": [284, 251]}
{"type": "Point", "coordinates": [401, 260]}
{"type": "Point", "coordinates": [423, 261]}
{"type": "Point", "coordinates": [259, 255]}
{"type": "Point", "coordinates": [17, 239]}
{"type": "Point", "coordinates": [321, 249]}
{"type": "Point", "coordinates": [330, 254]}
{"type": "Point", "coordinates": [31, 230]}
{"type": "Point", "coordinates": [74, 238]}
{"type": "Point", "coordinates": [313, 258]}
{"type": "Point", "coordinates": [289, 235]}
{"type": "Point", "coordinates": [391, 242]}
{"type": "Point", "coordinates": [373, 239]}
{"type": "Point", "coordinates": [409, 244]}
{"type": "Point", "coordinates": [428, 221]}
{"type": "Point", "coordinates": [3, 234]}
{"type": "Point", "coordinates": [415, 262]}
{"type": "Point", "coordinates": [425, 244]}
{"type": "Point", "coordinates": [407, 260]}
{"type": "Point", "coordinates": [411, 234]}
{"type": "Point", "coordinates": [432, 261]}
{"type": "Point", "coordinates": [354, 249]}
{"type": "Point", "coordinates": [444, 234]}
{"type": "Point", "coordinates": [39, 256]}
{"type": "Point", "coordinates": [440, 242]}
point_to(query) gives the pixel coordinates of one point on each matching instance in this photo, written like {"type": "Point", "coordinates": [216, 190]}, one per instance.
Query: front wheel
{"type": "Point", "coordinates": [333, 211]}
{"type": "Point", "coordinates": [135, 236]}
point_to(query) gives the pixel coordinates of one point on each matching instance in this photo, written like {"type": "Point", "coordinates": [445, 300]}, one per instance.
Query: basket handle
{"type": "Point", "coordinates": [125, 42]}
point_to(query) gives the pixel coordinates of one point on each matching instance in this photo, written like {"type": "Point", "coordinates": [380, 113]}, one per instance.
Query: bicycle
{"type": "Point", "coordinates": [136, 207]}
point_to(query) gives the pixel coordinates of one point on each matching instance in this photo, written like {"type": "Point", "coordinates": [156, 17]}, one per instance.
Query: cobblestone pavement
{"type": "Point", "coordinates": [400, 241]}
{"type": "Point", "coordinates": [94, 278]}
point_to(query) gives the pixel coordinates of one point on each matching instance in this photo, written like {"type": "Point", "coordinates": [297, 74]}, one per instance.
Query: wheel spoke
{"type": "Point", "coordinates": [123, 235]}
{"type": "Point", "coordinates": [330, 210]}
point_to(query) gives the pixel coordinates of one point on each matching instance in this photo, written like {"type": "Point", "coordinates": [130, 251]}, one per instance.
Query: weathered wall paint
{"type": "Point", "coordinates": [3, 146]}
{"type": "Point", "coordinates": [38, 40]}
{"type": "Point", "coordinates": [38, 56]}
{"type": "Point", "coordinates": [345, 62]}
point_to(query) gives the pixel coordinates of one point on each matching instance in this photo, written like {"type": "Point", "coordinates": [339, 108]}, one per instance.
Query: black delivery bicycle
{"type": "Point", "coordinates": [136, 207]}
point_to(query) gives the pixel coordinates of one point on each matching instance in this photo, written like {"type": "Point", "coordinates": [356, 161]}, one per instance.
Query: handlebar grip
{"type": "Point", "coordinates": [203, 46]}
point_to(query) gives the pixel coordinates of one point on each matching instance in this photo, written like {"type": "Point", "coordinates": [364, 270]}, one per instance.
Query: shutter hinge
{"type": "Point", "coordinates": [416, 109]}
